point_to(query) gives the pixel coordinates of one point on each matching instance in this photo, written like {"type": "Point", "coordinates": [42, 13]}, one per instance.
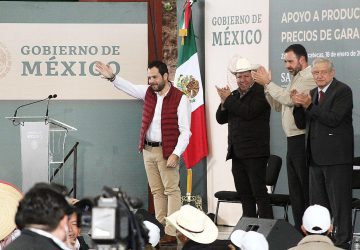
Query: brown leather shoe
{"type": "Point", "coordinates": [168, 240]}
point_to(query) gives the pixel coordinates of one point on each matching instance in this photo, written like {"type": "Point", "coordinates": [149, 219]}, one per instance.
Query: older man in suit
{"type": "Point", "coordinates": [327, 114]}
{"type": "Point", "coordinates": [247, 113]}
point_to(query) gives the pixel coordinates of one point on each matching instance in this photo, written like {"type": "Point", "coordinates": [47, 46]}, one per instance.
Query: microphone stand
{"type": "Point", "coordinates": [16, 110]}
{"type": "Point", "coordinates": [47, 107]}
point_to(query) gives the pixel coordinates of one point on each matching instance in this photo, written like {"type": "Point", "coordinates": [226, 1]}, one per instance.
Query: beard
{"type": "Point", "coordinates": [294, 71]}
{"type": "Point", "coordinates": [158, 87]}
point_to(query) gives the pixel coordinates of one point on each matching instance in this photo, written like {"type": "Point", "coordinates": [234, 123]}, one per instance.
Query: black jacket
{"type": "Point", "coordinates": [30, 240]}
{"type": "Point", "coordinates": [329, 128]}
{"type": "Point", "coordinates": [248, 123]}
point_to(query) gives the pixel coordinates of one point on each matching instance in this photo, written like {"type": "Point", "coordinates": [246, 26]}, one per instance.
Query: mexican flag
{"type": "Point", "coordinates": [188, 80]}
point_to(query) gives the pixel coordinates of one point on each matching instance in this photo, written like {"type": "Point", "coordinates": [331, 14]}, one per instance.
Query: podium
{"type": "Point", "coordinates": [42, 144]}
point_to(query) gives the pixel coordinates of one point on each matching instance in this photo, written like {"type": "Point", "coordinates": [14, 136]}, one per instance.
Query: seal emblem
{"type": "Point", "coordinates": [189, 86]}
{"type": "Point", "coordinates": [5, 60]}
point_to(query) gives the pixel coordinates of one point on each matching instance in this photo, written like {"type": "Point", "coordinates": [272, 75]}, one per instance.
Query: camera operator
{"type": "Point", "coordinates": [114, 224]}
{"type": "Point", "coordinates": [42, 217]}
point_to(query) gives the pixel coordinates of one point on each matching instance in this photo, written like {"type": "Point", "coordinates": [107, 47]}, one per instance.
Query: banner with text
{"type": "Point", "coordinates": [48, 48]}
{"type": "Point", "coordinates": [232, 27]}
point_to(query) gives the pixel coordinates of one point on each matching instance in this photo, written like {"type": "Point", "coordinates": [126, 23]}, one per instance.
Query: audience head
{"type": "Point", "coordinates": [316, 220]}
{"type": "Point", "coordinates": [250, 240]}
{"type": "Point", "coordinates": [44, 208]}
{"type": "Point", "coordinates": [9, 201]}
{"type": "Point", "coordinates": [193, 224]}
{"type": "Point", "coordinates": [154, 233]}
{"type": "Point", "coordinates": [74, 226]}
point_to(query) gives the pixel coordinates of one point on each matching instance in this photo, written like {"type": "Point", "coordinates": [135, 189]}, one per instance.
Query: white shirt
{"type": "Point", "coordinates": [77, 244]}
{"type": "Point", "coordinates": [57, 241]}
{"type": "Point", "coordinates": [153, 134]}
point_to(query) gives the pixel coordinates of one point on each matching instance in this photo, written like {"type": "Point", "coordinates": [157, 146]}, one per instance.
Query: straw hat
{"type": "Point", "coordinates": [9, 200]}
{"type": "Point", "coordinates": [194, 224]}
{"type": "Point", "coordinates": [241, 64]}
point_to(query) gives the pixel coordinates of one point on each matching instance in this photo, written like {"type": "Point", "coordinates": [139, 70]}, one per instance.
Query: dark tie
{"type": "Point", "coordinates": [321, 96]}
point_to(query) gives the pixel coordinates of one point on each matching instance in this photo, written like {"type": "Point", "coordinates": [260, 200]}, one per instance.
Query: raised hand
{"type": "Point", "coordinates": [261, 76]}
{"type": "Point", "coordinates": [104, 69]}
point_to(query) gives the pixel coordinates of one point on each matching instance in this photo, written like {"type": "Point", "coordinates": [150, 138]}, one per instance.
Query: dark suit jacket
{"type": "Point", "coordinates": [83, 245]}
{"type": "Point", "coordinates": [329, 129]}
{"type": "Point", "coordinates": [248, 123]}
{"type": "Point", "coordinates": [32, 241]}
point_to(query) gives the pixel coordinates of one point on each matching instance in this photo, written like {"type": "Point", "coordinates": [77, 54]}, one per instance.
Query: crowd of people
{"type": "Point", "coordinates": [45, 218]}
{"type": "Point", "coordinates": [316, 114]}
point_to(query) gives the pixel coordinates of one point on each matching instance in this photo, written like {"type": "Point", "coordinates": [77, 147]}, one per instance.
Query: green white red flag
{"type": "Point", "coordinates": [188, 80]}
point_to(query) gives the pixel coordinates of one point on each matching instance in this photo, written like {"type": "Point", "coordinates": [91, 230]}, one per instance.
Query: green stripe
{"type": "Point", "coordinates": [189, 48]}
{"type": "Point", "coordinates": [73, 12]}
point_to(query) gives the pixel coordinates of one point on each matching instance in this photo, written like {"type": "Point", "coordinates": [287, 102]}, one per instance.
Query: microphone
{"type": "Point", "coordinates": [47, 107]}
{"type": "Point", "coordinates": [27, 104]}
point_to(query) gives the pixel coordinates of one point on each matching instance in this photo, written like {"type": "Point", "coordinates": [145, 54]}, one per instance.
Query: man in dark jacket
{"type": "Point", "coordinates": [327, 114]}
{"type": "Point", "coordinates": [247, 113]}
{"type": "Point", "coordinates": [43, 218]}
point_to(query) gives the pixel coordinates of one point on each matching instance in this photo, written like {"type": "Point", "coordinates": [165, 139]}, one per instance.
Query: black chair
{"type": "Point", "coordinates": [355, 185]}
{"type": "Point", "coordinates": [272, 174]}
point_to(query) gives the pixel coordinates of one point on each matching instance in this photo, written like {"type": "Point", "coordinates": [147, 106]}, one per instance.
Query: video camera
{"type": "Point", "coordinates": [112, 220]}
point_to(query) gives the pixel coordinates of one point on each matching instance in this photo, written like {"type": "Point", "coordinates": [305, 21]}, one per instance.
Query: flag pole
{"type": "Point", "coordinates": [189, 185]}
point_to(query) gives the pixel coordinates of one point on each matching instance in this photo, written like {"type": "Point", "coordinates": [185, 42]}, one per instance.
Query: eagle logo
{"type": "Point", "coordinates": [189, 86]}
{"type": "Point", "coordinates": [5, 60]}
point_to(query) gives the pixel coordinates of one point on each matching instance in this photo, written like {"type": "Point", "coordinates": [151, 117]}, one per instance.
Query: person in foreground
{"type": "Point", "coordinates": [10, 197]}
{"type": "Point", "coordinates": [327, 115]}
{"type": "Point", "coordinates": [248, 115]}
{"type": "Point", "coordinates": [195, 230]}
{"type": "Point", "coordinates": [42, 217]}
{"type": "Point", "coordinates": [76, 241]}
{"type": "Point", "coordinates": [164, 136]}
{"type": "Point", "coordinates": [316, 226]}
{"type": "Point", "coordinates": [250, 240]}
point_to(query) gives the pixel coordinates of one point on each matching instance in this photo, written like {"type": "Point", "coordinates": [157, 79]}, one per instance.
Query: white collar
{"type": "Point", "coordinates": [77, 244]}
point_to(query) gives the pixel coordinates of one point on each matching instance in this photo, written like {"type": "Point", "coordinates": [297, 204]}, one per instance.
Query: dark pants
{"type": "Point", "coordinates": [298, 177]}
{"type": "Point", "coordinates": [250, 182]}
{"type": "Point", "coordinates": [331, 187]}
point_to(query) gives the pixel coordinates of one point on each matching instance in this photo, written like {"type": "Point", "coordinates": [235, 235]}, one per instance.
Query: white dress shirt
{"type": "Point", "coordinates": [153, 134]}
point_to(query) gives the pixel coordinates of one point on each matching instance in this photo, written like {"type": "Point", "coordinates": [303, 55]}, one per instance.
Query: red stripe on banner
{"type": "Point", "coordinates": [198, 146]}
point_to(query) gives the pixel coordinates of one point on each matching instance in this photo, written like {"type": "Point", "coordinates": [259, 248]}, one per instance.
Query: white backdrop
{"type": "Point", "coordinates": [231, 27]}
{"type": "Point", "coordinates": [46, 50]}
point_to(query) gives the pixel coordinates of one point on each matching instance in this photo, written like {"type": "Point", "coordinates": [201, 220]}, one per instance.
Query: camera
{"type": "Point", "coordinates": [112, 222]}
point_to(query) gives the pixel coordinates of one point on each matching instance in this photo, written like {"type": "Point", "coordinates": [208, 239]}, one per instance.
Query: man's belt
{"type": "Point", "coordinates": [152, 143]}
